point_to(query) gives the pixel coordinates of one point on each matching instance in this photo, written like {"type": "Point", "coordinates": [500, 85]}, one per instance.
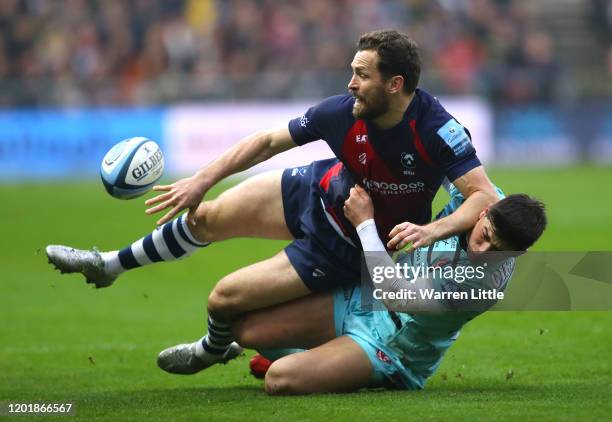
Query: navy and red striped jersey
{"type": "Point", "coordinates": [402, 167]}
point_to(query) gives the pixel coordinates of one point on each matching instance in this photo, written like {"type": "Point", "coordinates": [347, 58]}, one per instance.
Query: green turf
{"type": "Point", "coordinates": [63, 341]}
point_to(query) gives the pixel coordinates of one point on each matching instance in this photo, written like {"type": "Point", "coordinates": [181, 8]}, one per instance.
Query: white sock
{"type": "Point", "coordinates": [112, 263]}
{"type": "Point", "coordinates": [169, 242]}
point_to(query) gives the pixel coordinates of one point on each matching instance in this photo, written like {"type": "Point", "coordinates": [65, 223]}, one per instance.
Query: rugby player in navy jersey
{"type": "Point", "coordinates": [395, 140]}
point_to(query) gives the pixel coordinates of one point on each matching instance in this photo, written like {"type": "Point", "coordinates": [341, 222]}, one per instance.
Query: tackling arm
{"type": "Point", "coordinates": [478, 192]}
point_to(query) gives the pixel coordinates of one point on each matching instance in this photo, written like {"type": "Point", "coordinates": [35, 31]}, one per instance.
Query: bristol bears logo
{"type": "Point", "coordinates": [408, 162]}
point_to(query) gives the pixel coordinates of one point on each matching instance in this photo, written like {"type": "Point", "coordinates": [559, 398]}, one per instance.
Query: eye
{"type": "Point", "coordinates": [359, 73]}
{"type": "Point", "coordinates": [485, 235]}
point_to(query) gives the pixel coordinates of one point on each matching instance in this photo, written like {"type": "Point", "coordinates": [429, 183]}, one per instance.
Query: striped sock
{"type": "Point", "coordinates": [219, 337]}
{"type": "Point", "coordinates": [169, 242]}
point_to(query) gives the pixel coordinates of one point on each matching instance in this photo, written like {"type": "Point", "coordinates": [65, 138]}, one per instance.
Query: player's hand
{"type": "Point", "coordinates": [183, 194]}
{"type": "Point", "coordinates": [358, 207]}
{"type": "Point", "coordinates": [406, 233]}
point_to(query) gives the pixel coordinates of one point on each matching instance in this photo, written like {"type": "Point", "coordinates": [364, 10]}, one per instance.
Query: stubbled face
{"type": "Point", "coordinates": [368, 87]}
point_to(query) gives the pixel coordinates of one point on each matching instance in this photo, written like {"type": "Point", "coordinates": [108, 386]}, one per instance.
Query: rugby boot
{"type": "Point", "coordinates": [89, 263]}
{"type": "Point", "coordinates": [183, 359]}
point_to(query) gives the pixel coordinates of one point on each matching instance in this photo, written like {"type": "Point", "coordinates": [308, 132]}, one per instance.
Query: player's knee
{"type": "Point", "coordinates": [280, 381]}
{"type": "Point", "coordinates": [204, 217]}
{"type": "Point", "coordinates": [225, 301]}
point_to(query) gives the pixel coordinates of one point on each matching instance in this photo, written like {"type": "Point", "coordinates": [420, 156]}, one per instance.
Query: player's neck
{"type": "Point", "coordinates": [396, 112]}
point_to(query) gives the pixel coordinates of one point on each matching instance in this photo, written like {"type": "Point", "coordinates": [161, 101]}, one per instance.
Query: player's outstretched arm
{"type": "Point", "coordinates": [478, 192]}
{"type": "Point", "coordinates": [188, 193]}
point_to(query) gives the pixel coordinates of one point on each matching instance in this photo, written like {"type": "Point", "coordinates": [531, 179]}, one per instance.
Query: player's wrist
{"type": "Point", "coordinates": [438, 230]}
{"type": "Point", "coordinates": [368, 236]}
{"type": "Point", "coordinates": [365, 223]}
{"type": "Point", "coordinates": [205, 179]}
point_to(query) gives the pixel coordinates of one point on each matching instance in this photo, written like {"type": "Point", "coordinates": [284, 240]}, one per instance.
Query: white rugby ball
{"type": "Point", "coordinates": [132, 167]}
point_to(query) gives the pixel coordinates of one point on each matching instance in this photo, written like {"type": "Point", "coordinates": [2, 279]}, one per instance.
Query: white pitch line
{"type": "Point", "coordinates": [45, 348]}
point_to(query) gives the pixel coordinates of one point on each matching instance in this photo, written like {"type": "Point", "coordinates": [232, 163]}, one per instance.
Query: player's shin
{"type": "Point", "coordinates": [169, 242]}
{"type": "Point", "coordinates": [219, 337]}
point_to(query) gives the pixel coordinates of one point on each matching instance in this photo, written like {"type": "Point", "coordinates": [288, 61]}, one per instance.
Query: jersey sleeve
{"type": "Point", "coordinates": [451, 147]}
{"type": "Point", "coordinates": [322, 121]}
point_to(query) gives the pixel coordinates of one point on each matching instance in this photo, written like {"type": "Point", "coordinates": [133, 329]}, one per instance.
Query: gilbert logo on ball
{"type": "Point", "coordinates": [132, 167]}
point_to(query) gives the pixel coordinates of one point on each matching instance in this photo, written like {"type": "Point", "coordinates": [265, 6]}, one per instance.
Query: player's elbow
{"type": "Point", "coordinates": [486, 192]}
{"type": "Point", "coordinates": [490, 195]}
{"type": "Point", "coordinates": [269, 144]}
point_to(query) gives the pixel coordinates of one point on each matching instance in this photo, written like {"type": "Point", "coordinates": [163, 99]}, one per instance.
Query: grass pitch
{"type": "Point", "coordinates": [61, 340]}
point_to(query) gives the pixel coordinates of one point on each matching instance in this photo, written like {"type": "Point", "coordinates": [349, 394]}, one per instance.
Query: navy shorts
{"type": "Point", "coordinates": [323, 259]}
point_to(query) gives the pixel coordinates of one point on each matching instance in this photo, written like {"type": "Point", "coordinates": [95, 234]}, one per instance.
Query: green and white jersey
{"type": "Point", "coordinates": [424, 337]}
{"type": "Point", "coordinates": [425, 327]}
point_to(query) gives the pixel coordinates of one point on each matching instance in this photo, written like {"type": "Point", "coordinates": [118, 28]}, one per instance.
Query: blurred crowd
{"type": "Point", "coordinates": [601, 17]}
{"type": "Point", "coordinates": [148, 52]}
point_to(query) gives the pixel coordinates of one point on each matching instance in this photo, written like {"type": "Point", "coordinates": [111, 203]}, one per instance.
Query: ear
{"type": "Point", "coordinates": [395, 84]}
{"type": "Point", "coordinates": [483, 213]}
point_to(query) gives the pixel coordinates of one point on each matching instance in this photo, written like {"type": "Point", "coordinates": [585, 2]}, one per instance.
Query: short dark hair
{"type": "Point", "coordinates": [398, 54]}
{"type": "Point", "coordinates": [518, 220]}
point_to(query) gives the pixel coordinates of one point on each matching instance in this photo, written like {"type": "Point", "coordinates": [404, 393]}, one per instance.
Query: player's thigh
{"type": "Point", "coordinates": [305, 323]}
{"type": "Point", "coordinates": [256, 286]}
{"type": "Point", "coordinates": [339, 365]}
{"type": "Point", "coordinates": [253, 208]}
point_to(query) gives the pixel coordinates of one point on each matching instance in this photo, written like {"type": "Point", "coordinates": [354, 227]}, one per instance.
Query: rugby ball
{"type": "Point", "coordinates": [132, 167]}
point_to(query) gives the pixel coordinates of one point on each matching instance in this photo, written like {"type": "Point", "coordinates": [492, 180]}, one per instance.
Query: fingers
{"type": "Point", "coordinates": [159, 207]}
{"type": "Point", "coordinates": [415, 245]}
{"type": "Point", "coordinates": [414, 235]}
{"type": "Point", "coordinates": [158, 198]}
{"type": "Point", "coordinates": [358, 193]}
{"type": "Point", "coordinates": [348, 209]}
{"type": "Point", "coordinates": [169, 216]}
{"type": "Point", "coordinates": [162, 187]}
{"type": "Point", "coordinates": [413, 238]}
{"type": "Point", "coordinates": [360, 190]}
{"type": "Point", "coordinates": [398, 229]}
{"type": "Point", "coordinates": [403, 237]}
{"type": "Point", "coordinates": [392, 244]}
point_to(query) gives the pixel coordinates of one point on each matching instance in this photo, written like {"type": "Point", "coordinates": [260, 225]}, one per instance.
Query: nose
{"type": "Point", "coordinates": [484, 247]}
{"type": "Point", "coordinates": [352, 85]}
